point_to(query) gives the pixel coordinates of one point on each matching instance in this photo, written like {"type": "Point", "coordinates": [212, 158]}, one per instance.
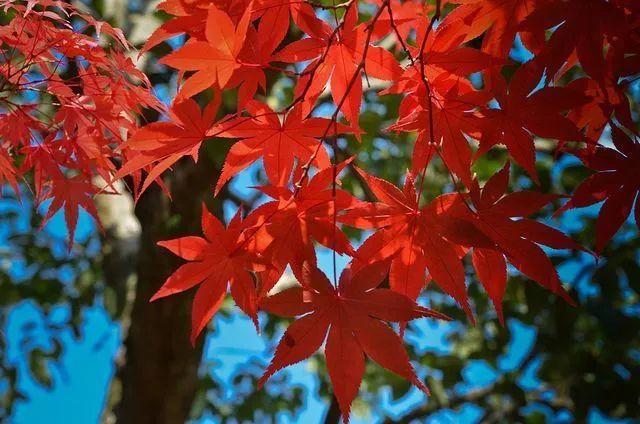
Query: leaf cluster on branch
{"type": "Point", "coordinates": [69, 97]}
{"type": "Point", "coordinates": [461, 96]}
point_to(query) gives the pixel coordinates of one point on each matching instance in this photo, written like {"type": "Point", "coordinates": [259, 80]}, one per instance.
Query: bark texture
{"type": "Point", "coordinates": [157, 368]}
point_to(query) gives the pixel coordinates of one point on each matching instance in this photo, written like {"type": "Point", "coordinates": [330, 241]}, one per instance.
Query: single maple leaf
{"type": "Point", "coordinates": [44, 161]}
{"type": "Point", "coordinates": [515, 238]}
{"type": "Point", "coordinates": [353, 314]}
{"type": "Point", "coordinates": [615, 182]}
{"type": "Point", "coordinates": [161, 144]}
{"type": "Point", "coordinates": [524, 112]}
{"type": "Point", "coordinates": [305, 49]}
{"type": "Point", "coordinates": [416, 239]}
{"type": "Point", "coordinates": [446, 66]}
{"type": "Point", "coordinates": [70, 194]}
{"type": "Point", "coordinates": [256, 55]}
{"type": "Point", "coordinates": [443, 117]}
{"type": "Point", "coordinates": [18, 127]}
{"type": "Point", "coordinates": [215, 59]}
{"type": "Point", "coordinates": [215, 262]}
{"type": "Point", "coordinates": [278, 142]}
{"type": "Point", "coordinates": [335, 58]}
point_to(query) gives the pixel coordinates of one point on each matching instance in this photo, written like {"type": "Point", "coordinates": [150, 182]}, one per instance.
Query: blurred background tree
{"type": "Point", "coordinates": [552, 362]}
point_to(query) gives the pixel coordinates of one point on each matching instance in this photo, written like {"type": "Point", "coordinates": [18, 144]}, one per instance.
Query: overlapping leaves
{"type": "Point", "coordinates": [451, 64]}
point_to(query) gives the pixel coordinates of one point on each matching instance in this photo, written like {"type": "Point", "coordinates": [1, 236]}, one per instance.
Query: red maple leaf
{"type": "Point", "coordinates": [70, 194]}
{"type": "Point", "coordinates": [8, 172]}
{"type": "Point", "coordinates": [161, 144]}
{"type": "Point", "coordinates": [443, 118]}
{"type": "Point", "coordinates": [441, 59]}
{"type": "Point", "coordinates": [353, 315]}
{"type": "Point", "coordinates": [417, 239]}
{"type": "Point", "coordinates": [581, 31]}
{"type": "Point", "coordinates": [336, 58]}
{"type": "Point", "coordinates": [498, 20]}
{"type": "Point", "coordinates": [188, 18]}
{"type": "Point", "coordinates": [250, 75]}
{"type": "Point", "coordinates": [274, 21]}
{"type": "Point", "coordinates": [608, 97]}
{"type": "Point", "coordinates": [615, 182]}
{"type": "Point", "coordinates": [279, 142]}
{"type": "Point", "coordinates": [524, 112]}
{"type": "Point", "coordinates": [215, 262]}
{"type": "Point", "coordinates": [515, 238]}
{"type": "Point", "coordinates": [285, 228]}
{"type": "Point", "coordinates": [215, 59]}
{"type": "Point", "coordinates": [405, 16]}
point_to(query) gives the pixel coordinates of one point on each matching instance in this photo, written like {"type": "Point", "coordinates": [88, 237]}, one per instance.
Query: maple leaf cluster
{"type": "Point", "coordinates": [69, 96]}
{"type": "Point", "coordinates": [462, 96]}
{"type": "Point", "coordinates": [231, 45]}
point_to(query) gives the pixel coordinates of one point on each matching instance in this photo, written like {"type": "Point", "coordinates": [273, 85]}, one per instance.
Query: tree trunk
{"type": "Point", "coordinates": [157, 376]}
